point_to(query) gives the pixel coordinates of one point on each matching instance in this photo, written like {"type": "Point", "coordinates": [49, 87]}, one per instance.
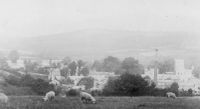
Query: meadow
{"type": "Point", "coordinates": [35, 102]}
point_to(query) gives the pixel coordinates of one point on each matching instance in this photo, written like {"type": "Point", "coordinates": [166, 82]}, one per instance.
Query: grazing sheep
{"type": "Point", "coordinates": [3, 98]}
{"type": "Point", "coordinates": [87, 98]}
{"type": "Point", "coordinates": [49, 96]}
{"type": "Point", "coordinates": [170, 94]}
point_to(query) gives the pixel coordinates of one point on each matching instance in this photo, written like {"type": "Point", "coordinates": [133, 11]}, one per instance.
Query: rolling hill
{"type": "Point", "coordinates": [95, 44]}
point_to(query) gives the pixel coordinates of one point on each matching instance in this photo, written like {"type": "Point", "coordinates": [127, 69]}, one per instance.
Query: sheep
{"type": "Point", "coordinates": [49, 96]}
{"type": "Point", "coordinates": [3, 98]}
{"type": "Point", "coordinates": [171, 94]}
{"type": "Point", "coordinates": [86, 98]}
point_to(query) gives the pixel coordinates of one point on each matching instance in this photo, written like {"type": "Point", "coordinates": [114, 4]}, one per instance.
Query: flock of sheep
{"type": "Point", "coordinates": [84, 97]}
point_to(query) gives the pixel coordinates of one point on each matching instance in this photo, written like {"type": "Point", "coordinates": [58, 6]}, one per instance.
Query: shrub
{"type": "Point", "coordinates": [127, 85]}
{"type": "Point", "coordinates": [159, 92]}
{"type": "Point", "coordinates": [14, 90]}
{"type": "Point", "coordinates": [27, 80]}
{"type": "Point", "coordinates": [96, 92]}
{"type": "Point", "coordinates": [13, 80]}
{"type": "Point", "coordinates": [41, 87]}
{"type": "Point", "coordinates": [72, 92]}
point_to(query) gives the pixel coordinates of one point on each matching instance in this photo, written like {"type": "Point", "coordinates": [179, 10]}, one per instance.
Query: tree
{"type": "Point", "coordinates": [127, 84]}
{"type": "Point", "coordinates": [97, 65]}
{"type": "Point", "coordinates": [164, 66]}
{"type": "Point", "coordinates": [27, 80]}
{"type": "Point", "coordinates": [111, 64]}
{"type": "Point", "coordinates": [66, 61]}
{"type": "Point", "coordinates": [67, 81]}
{"type": "Point", "coordinates": [64, 71]}
{"type": "Point", "coordinates": [190, 92]}
{"type": "Point", "coordinates": [84, 71]}
{"type": "Point", "coordinates": [132, 66]}
{"type": "Point", "coordinates": [72, 66]}
{"type": "Point", "coordinates": [30, 66]}
{"type": "Point", "coordinates": [14, 56]}
{"type": "Point", "coordinates": [196, 72]}
{"type": "Point", "coordinates": [88, 82]}
{"type": "Point", "coordinates": [174, 87]}
{"type": "Point", "coordinates": [80, 64]}
{"type": "Point", "coordinates": [3, 63]}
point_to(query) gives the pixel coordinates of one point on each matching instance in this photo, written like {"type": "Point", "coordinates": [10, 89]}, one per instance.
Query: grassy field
{"type": "Point", "coordinates": [28, 102]}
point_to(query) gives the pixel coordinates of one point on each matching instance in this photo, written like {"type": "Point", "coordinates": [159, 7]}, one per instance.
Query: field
{"type": "Point", "coordinates": [28, 102]}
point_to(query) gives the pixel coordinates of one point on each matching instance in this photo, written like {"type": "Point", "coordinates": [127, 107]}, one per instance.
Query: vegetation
{"type": "Point", "coordinates": [84, 71]}
{"type": "Point", "coordinates": [164, 66]}
{"type": "Point", "coordinates": [127, 85]}
{"type": "Point", "coordinates": [132, 66]}
{"type": "Point", "coordinates": [30, 102]}
{"type": "Point", "coordinates": [72, 66]}
{"type": "Point", "coordinates": [88, 82]}
{"type": "Point", "coordinates": [3, 63]}
{"type": "Point", "coordinates": [14, 56]}
{"type": "Point", "coordinates": [174, 88]}
{"type": "Point", "coordinates": [37, 86]}
{"type": "Point", "coordinates": [72, 92]}
{"type": "Point", "coordinates": [196, 72]}
{"type": "Point", "coordinates": [113, 64]}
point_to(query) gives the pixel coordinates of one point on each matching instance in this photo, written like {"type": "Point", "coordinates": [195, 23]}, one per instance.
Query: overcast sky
{"type": "Point", "coordinates": [25, 18]}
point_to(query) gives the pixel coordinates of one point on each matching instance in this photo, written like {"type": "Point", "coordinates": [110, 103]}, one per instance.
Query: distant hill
{"type": "Point", "coordinates": [95, 44]}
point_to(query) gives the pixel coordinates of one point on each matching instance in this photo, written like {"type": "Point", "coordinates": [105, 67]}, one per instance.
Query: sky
{"type": "Point", "coordinates": [29, 18]}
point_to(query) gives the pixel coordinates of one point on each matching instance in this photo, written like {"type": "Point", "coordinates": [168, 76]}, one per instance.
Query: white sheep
{"type": "Point", "coordinates": [171, 94]}
{"type": "Point", "coordinates": [86, 98]}
{"type": "Point", "coordinates": [49, 96]}
{"type": "Point", "coordinates": [3, 98]}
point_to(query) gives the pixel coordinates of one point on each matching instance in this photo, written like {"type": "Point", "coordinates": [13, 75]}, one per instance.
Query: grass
{"type": "Point", "coordinates": [35, 102]}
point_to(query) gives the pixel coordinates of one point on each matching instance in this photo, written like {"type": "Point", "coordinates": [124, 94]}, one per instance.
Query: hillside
{"type": "Point", "coordinates": [91, 44]}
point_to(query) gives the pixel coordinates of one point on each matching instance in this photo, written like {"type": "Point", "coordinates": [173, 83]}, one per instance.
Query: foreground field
{"type": "Point", "coordinates": [29, 102]}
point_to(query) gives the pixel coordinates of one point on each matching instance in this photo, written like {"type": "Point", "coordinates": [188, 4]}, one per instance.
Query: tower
{"type": "Point", "coordinates": [179, 67]}
{"type": "Point", "coordinates": [156, 67]}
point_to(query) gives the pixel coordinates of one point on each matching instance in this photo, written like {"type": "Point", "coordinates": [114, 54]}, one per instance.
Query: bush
{"type": "Point", "coordinates": [72, 92]}
{"type": "Point", "coordinates": [127, 85]}
{"type": "Point", "coordinates": [38, 86]}
{"type": "Point", "coordinates": [14, 90]}
{"type": "Point", "coordinates": [13, 80]}
{"type": "Point", "coordinates": [96, 92]}
{"type": "Point", "coordinates": [159, 92]}
{"type": "Point", "coordinates": [27, 80]}
{"type": "Point", "coordinates": [41, 87]}
{"type": "Point", "coordinates": [188, 92]}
